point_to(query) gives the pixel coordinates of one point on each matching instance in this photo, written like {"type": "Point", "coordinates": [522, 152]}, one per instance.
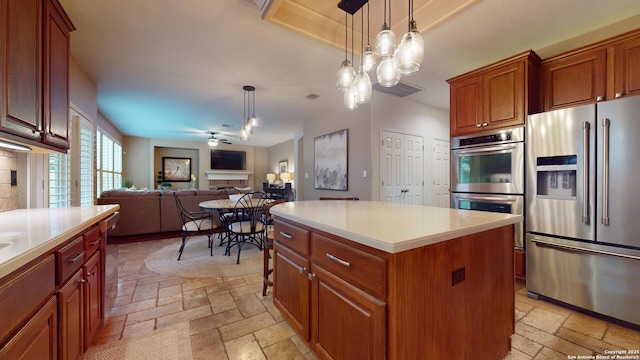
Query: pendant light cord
{"type": "Point", "coordinates": [384, 15]}
{"type": "Point", "coordinates": [368, 18]}
{"type": "Point", "coordinates": [352, 41]}
{"type": "Point", "coordinates": [362, 38]}
{"type": "Point", "coordinates": [346, 36]}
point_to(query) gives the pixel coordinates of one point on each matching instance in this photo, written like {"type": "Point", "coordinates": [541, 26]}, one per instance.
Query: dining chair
{"type": "Point", "coordinates": [249, 227]}
{"type": "Point", "coordinates": [194, 223]}
{"type": "Point", "coordinates": [339, 198]}
{"type": "Point", "coordinates": [267, 245]}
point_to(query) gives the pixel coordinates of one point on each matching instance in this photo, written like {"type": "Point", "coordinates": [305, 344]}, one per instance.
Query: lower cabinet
{"type": "Point", "coordinates": [293, 299]}
{"type": "Point", "coordinates": [38, 338]}
{"type": "Point", "coordinates": [92, 296]}
{"type": "Point", "coordinates": [71, 311]}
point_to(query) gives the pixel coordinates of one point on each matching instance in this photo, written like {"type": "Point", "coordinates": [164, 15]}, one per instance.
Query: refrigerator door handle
{"type": "Point", "coordinates": [586, 126]}
{"type": "Point", "coordinates": [581, 249]}
{"type": "Point", "coordinates": [606, 123]}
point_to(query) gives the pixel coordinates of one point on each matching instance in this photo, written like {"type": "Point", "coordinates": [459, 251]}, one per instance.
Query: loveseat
{"type": "Point", "coordinates": [155, 211]}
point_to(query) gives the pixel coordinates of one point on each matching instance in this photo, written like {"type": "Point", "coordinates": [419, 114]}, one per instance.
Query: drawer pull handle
{"type": "Point", "coordinates": [78, 257]}
{"type": "Point", "coordinates": [286, 235]}
{"type": "Point", "coordinates": [338, 260]}
{"type": "Point", "coordinates": [95, 242]}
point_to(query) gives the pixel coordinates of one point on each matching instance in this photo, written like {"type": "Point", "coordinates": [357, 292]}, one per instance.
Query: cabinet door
{"type": "Point", "coordinates": [347, 323]}
{"type": "Point", "coordinates": [291, 288]}
{"type": "Point", "coordinates": [56, 79]}
{"type": "Point", "coordinates": [71, 315]}
{"type": "Point", "coordinates": [92, 296]}
{"type": "Point", "coordinates": [504, 102]}
{"type": "Point", "coordinates": [38, 338]}
{"type": "Point", "coordinates": [466, 105]}
{"type": "Point", "coordinates": [21, 64]}
{"type": "Point", "coordinates": [627, 68]}
{"type": "Point", "coordinates": [574, 80]}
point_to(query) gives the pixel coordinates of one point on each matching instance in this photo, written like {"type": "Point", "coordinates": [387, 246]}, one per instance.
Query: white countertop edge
{"type": "Point", "coordinates": [20, 260]}
{"type": "Point", "coordinates": [405, 245]}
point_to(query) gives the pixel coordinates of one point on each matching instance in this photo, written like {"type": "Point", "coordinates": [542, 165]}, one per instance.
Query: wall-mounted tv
{"type": "Point", "coordinates": [228, 160]}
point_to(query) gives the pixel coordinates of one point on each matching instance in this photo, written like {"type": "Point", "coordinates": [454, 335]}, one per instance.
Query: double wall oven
{"type": "Point", "coordinates": [487, 173]}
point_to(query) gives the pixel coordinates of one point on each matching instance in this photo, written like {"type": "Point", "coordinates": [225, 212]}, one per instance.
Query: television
{"type": "Point", "coordinates": [228, 160]}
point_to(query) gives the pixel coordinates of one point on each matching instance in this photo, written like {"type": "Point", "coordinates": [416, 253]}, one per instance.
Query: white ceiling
{"type": "Point", "coordinates": [175, 69]}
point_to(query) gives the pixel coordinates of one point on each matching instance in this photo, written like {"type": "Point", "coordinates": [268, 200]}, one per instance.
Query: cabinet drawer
{"type": "Point", "coordinates": [361, 269]}
{"type": "Point", "coordinates": [92, 240]}
{"type": "Point", "coordinates": [24, 293]}
{"type": "Point", "coordinates": [292, 236]}
{"type": "Point", "coordinates": [69, 259]}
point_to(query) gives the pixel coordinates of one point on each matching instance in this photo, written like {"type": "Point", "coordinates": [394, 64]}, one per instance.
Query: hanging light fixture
{"type": "Point", "coordinates": [386, 39]}
{"type": "Point", "coordinates": [247, 127]}
{"type": "Point", "coordinates": [409, 54]}
{"type": "Point", "coordinates": [346, 74]}
{"type": "Point", "coordinates": [368, 57]}
{"type": "Point", "coordinates": [351, 95]}
{"type": "Point", "coordinates": [362, 83]}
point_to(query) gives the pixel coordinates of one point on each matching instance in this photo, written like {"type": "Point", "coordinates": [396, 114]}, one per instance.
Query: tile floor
{"type": "Point", "coordinates": [229, 319]}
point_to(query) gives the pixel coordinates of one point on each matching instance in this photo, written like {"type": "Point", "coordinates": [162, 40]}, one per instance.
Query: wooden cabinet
{"type": "Point", "coordinates": [627, 67]}
{"type": "Point", "coordinates": [34, 73]}
{"type": "Point", "coordinates": [71, 317]}
{"type": "Point", "coordinates": [293, 299]}
{"type": "Point", "coordinates": [496, 96]}
{"type": "Point", "coordinates": [92, 297]}
{"type": "Point", "coordinates": [574, 79]}
{"type": "Point", "coordinates": [37, 339]}
{"type": "Point", "coordinates": [520, 265]}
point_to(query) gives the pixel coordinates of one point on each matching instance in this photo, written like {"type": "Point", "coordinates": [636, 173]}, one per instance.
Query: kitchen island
{"type": "Point", "coordinates": [52, 280]}
{"type": "Point", "coordinates": [374, 280]}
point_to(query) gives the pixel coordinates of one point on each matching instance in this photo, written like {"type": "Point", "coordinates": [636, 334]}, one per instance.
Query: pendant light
{"type": "Point", "coordinates": [351, 95]}
{"type": "Point", "coordinates": [247, 127]}
{"type": "Point", "coordinates": [368, 57]}
{"type": "Point", "coordinates": [409, 54]}
{"type": "Point", "coordinates": [362, 83]}
{"type": "Point", "coordinates": [346, 74]}
{"type": "Point", "coordinates": [387, 74]}
{"type": "Point", "coordinates": [386, 39]}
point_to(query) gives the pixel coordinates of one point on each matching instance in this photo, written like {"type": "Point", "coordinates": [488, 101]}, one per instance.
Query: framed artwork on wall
{"type": "Point", "coordinates": [283, 165]}
{"type": "Point", "coordinates": [330, 161]}
{"type": "Point", "coordinates": [176, 169]}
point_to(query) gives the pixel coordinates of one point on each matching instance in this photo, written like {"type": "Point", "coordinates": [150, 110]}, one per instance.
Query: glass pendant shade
{"type": "Point", "coordinates": [350, 101]}
{"type": "Point", "coordinates": [385, 42]}
{"type": "Point", "coordinates": [408, 57]}
{"type": "Point", "coordinates": [212, 142]}
{"type": "Point", "coordinates": [253, 121]}
{"type": "Point", "coordinates": [369, 60]}
{"type": "Point", "coordinates": [388, 76]}
{"type": "Point", "coordinates": [346, 75]}
{"type": "Point", "coordinates": [362, 86]}
{"type": "Point", "coordinates": [244, 134]}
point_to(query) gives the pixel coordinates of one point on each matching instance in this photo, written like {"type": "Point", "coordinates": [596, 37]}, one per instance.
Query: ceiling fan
{"type": "Point", "coordinates": [214, 141]}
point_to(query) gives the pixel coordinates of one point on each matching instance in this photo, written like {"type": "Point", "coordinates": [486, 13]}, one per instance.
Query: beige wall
{"type": "Point", "coordinates": [8, 193]}
{"type": "Point", "coordinates": [281, 152]}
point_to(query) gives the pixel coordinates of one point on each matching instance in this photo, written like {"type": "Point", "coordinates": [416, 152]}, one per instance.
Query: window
{"type": "Point", "coordinates": [109, 163]}
{"type": "Point", "coordinates": [85, 187]}
{"type": "Point", "coordinates": [59, 180]}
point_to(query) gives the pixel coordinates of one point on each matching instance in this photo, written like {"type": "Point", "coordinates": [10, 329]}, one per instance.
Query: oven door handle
{"type": "Point", "coordinates": [487, 149]}
{"type": "Point", "coordinates": [493, 199]}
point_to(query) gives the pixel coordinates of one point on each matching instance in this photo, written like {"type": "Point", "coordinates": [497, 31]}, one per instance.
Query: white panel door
{"type": "Point", "coordinates": [441, 173]}
{"type": "Point", "coordinates": [401, 168]}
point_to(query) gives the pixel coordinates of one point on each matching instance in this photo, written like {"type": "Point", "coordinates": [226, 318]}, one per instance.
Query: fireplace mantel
{"type": "Point", "coordinates": [227, 175]}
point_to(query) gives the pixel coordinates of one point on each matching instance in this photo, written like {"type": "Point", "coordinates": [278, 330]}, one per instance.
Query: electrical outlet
{"type": "Point", "coordinates": [457, 276]}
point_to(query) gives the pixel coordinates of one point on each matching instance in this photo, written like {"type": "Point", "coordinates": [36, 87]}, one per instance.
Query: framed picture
{"type": "Point", "coordinates": [283, 166]}
{"type": "Point", "coordinates": [330, 161]}
{"type": "Point", "coordinates": [176, 169]}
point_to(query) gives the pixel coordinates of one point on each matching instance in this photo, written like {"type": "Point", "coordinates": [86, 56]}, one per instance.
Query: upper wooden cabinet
{"type": "Point", "coordinates": [34, 73]}
{"type": "Point", "coordinates": [495, 96]}
{"type": "Point", "coordinates": [601, 71]}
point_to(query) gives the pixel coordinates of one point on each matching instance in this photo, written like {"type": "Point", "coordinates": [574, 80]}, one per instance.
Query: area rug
{"type": "Point", "coordinates": [196, 261]}
{"type": "Point", "coordinates": [172, 343]}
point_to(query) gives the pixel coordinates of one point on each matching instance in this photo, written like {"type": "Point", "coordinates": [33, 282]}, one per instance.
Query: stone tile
{"type": "Point", "coordinates": [112, 331]}
{"type": "Point", "coordinates": [170, 282]}
{"type": "Point", "coordinates": [186, 315]}
{"type": "Point", "coordinates": [551, 341]}
{"type": "Point", "coordinates": [146, 291]}
{"type": "Point", "coordinates": [586, 325]}
{"type": "Point", "coordinates": [282, 350]}
{"type": "Point", "coordinates": [221, 301]}
{"type": "Point", "coordinates": [199, 283]}
{"type": "Point", "coordinates": [208, 345]}
{"type": "Point", "coordinates": [586, 341]}
{"type": "Point", "coordinates": [517, 355]}
{"type": "Point", "coordinates": [126, 287]}
{"type": "Point", "coordinates": [139, 329]}
{"type": "Point", "coordinates": [195, 298]}
{"type": "Point", "coordinates": [525, 345]}
{"type": "Point", "coordinates": [246, 289]}
{"type": "Point", "coordinates": [133, 307]}
{"type": "Point", "coordinates": [274, 334]}
{"type": "Point", "coordinates": [543, 320]}
{"type": "Point", "coordinates": [623, 337]}
{"type": "Point", "coordinates": [250, 305]}
{"type": "Point", "coordinates": [169, 295]}
{"type": "Point", "coordinates": [153, 279]}
{"type": "Point", "coordinates": [253, 278]}
{"type": "Point", "coordinates": [549, 354]}
{"type": "Point", "coordinates": [153, 313]}
{"type": "Point", "coordinates": [300, 344]}
{"type": "Point", "coordinates": [245, 347]}
{"type": "Point", "coordinates": [123, 300]}
{"type": "Point", "coordinates": [246, 326]}
{"type": "Point", "coordinates": [215, 321]}
{"type": "Point", "coordinates": [225, 285]}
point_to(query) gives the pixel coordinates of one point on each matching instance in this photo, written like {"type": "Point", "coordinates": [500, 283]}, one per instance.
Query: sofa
{"type": "Point", "coordinates": [155, 211]}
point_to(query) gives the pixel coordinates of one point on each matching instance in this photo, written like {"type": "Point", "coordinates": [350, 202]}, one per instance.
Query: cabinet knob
{"type": "Point", "coordinates": [619, 95]}
{"type": "Point", "coordinates": [484, 124]}
{"type": "Point", "coordinates": [599, 98]}
{"type": "Point", "coordinates": [478, 125]}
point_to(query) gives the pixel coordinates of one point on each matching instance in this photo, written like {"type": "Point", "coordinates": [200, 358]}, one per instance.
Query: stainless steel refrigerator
{"type": "Point", "coordinates": [583, 207]}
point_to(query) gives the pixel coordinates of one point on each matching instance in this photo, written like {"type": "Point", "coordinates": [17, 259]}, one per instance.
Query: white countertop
{"type": "Point", "coordinates": [26, 234]}
{"type": "Point", "coordinates": [391, 227]}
